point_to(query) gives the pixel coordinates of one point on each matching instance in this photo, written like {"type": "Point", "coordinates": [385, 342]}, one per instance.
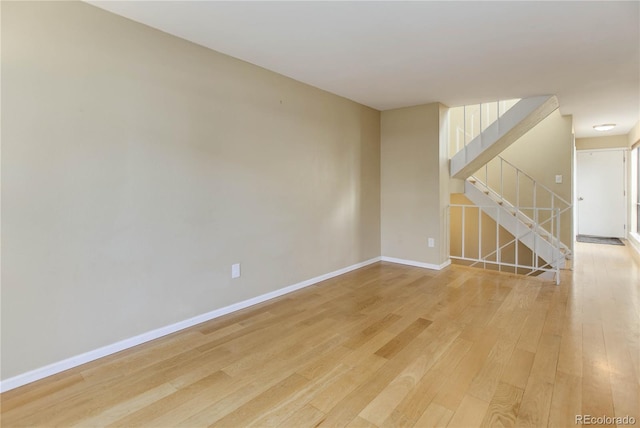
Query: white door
{"type": "Point", "coordinates": [600, 191]}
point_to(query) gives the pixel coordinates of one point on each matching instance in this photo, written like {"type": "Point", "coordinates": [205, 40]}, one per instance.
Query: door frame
{"type": "Point", "coordinates": [625, 171]}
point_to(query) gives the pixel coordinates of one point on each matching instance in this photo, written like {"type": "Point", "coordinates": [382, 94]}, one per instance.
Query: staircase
{"type": "Point", "coordinates": [538, 227]}
{"type": "Point", "coordinates": [529, 211]}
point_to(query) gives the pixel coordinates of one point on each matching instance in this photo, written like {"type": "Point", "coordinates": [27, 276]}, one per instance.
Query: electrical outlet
{"type": "Point", "coordinates": [558, 179]}
{"type": "Point", "coordinates": [432, 242]}
{"type": "Point", "coordinates": [235, 270]}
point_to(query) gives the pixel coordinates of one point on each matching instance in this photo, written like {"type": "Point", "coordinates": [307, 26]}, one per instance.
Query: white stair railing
{"type": "Point", "coordinates": [516, 190]}
{"type": "Point", "coordinates": [469, 121]}
{"type": "Point", "coordinates": [486, 245]}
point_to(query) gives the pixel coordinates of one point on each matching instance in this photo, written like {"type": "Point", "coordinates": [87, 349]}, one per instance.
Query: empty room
{"type": "Point", "coordinates": [300, 214]}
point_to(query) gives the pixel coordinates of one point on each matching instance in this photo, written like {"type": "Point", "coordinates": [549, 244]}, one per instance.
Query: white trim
{"type": "Point", "coordinates": [634, 240]}
{"type": "Point", "coordinates": [417, 264]}
{"type": "Point", "coordinates": [51, 369]}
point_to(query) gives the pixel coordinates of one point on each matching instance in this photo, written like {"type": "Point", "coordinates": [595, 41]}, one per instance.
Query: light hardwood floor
{"type": "Point", "coordinates": [386, 345]}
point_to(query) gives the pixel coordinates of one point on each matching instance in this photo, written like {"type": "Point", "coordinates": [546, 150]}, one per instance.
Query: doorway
{"type": "Point", "coordinates": [601, 193]}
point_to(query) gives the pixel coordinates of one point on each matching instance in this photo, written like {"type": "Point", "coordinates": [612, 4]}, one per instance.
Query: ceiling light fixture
{"type": "Point", "coordinates": [604, 127]}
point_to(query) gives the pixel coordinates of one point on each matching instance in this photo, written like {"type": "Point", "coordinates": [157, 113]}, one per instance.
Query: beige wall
{"type": "Point", "coordinates": [608, 142]}
{"type": "Point", "coordinates": [137, 167]}
{"type": "Point", "coordinates": [414, 177]}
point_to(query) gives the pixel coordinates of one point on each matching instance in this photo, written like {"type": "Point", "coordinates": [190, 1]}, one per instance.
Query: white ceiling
{"type": "Point", "coordinates": [389, 54]}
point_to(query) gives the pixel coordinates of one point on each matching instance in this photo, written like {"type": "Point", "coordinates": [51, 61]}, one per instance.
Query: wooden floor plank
{"type": "Point", "coordinates": [570, 353]}
{"type": "Point", "coordinates": [459, 381]}
{"type": "Point", "coordinates": [597, 398]}
{"type": "Point", "coordinates": [518, 368]}
{"type": "Point", "coordinates": [504, 406]}
{"type": "Point", "coordinates": [256, 407]}
{"type": "Point", "coordinates": [470, 413]}
{"type": "Point", "coordinates": [308, 416]}
{"type": "Point", "coordinates": [161, 407]}
{"type": "Point", "coordinates": [536, 404]}
{"type": "Point", "coordinates": [566, 403]}
{"type": "Point", "coordinates": [438, 339]}
{"type": "Point", "coordinates": [485, 383]}
{"type": "Point", "coordinates": [435, 416]}
{"type": "Point", "coordinates": [413, 405]}
{"type": "Point", "coordinates": [395, 345]}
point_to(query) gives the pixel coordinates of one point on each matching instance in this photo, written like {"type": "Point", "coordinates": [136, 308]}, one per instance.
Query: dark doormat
{"type": "Point", "coordinates": [598, 240]}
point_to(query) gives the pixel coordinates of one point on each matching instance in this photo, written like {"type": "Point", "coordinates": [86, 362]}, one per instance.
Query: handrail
{"type": "Point", "coordinates": [533, 179]}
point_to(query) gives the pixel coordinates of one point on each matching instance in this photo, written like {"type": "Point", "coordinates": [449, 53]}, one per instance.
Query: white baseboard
{"type": "Point", "coordinates": [417, 264]}
{"type": "Point", "coordinates": [635, 242]}
{"type": "Point", "coordinates": [60, 366]}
